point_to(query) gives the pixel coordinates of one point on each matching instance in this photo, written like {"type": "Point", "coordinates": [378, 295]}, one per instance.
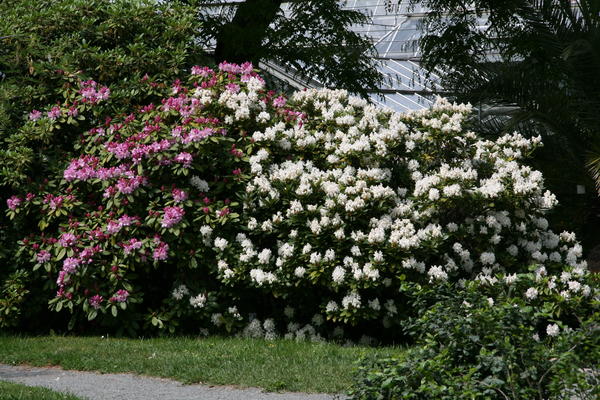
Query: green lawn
{"type": "Point", "coordinates": [276, 365]}
{"type": "Point", "coordinates": [13, 391]}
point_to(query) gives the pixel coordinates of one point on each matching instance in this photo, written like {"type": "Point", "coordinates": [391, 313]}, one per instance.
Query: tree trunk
{"type": "Point", "coordinates": [241, 39]}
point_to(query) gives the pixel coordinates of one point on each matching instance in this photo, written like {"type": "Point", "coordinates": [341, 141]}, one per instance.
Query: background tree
{"type": "Point", "coordinates": [313, 38]}
{"type": "Point", "coordinates": [533, 65]}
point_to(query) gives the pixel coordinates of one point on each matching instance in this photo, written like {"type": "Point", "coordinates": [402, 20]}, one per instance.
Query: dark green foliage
{"type": "Point", "coordinates": [470, 347]}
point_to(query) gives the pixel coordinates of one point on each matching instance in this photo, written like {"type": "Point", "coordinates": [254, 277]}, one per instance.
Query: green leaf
{"type": "Point", "coordinates": [61, 254]}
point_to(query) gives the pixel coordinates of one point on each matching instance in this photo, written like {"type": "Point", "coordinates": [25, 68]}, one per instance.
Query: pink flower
{"type": "Point", "coordinates": [184, 158]}
{"type": "Point", "coordinates": [87, 254]}
{"type": "Point", "coordinates": [128, 186]}
{"type": "Point", "coordinates": [73, 112]}
{"type": "Point", "coordinates": [161, 252]}
{"type": "Point", "coordinates": [232, 87]}
{"type": "Point", "coordinates": [63, 278]}
{"type": "Point", "coordinates": [279, 102]}
{"type": "Point", "coordinates": [43, 256]}
{"type": "Point", "coordinates": [133, 244]}
{"type": "Point", "coordinates": [120, 297]}
{"type": "Point", "coordinates": [126, 220]}
{"type": "Point", "coordinates": [171, 216]}
{"type": "Point", "coordinates": [54, 201]}
{"type": "Point", "coordinates": [113, 227]}
{"type": "Point", "coordinates": [35, 115]}
{"type": "Point", "coordinates": [13, 202]}
{"type": "Point", "coordinates": [54, 113]}
{"type": "Point", "coordinates": [179, 195]}
{"type": "Point", "coordinates": [96, 301]}
{"type": "Point", "coordinates": [202, 71]}
{"type": "Point", "coordinates": [67, 240]}
{"type": "Point", "coordinates": [197, 134]}
{"type": "Point", "coordinates": [70, 265]}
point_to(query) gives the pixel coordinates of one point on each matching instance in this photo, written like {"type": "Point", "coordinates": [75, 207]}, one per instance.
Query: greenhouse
{"type": "Point", "coordinates": [394, 31]}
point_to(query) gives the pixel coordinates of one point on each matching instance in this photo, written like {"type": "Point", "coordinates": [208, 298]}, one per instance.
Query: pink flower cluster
{"type": "Point", "coordinates": [56, 201]}
{"type": "Point", "coordinates": [245, 69]}
{"type": "Point", "coordinates": [113, 226]}
{"type": "Point", "coordinates": [161, 252]}
{"type": "Point", "coordinates": [96, 301]}
{"type": "Point", "coordinates": [120, 297]}
{"type": "Point", "coordinates": [13, 202]}
{"type": "Point", "coordinates": [89, 93]}
{"type": "Point", "coordinates": [179, 195]}
{"type": "Point", "coordinates": [54, 113]}
{"type": "Point", "coordinates": [35, 115]}
{"type": "Point", "coordinates": [131, 245]}
{"type": "Point", "coordinates": [67, 240]}
{"type": "Point", "coordinates": [172, 216]}
{"type": "Point", "coordinates": [86, 167]}
{"type": "Point", "coordinates": [43, 256]}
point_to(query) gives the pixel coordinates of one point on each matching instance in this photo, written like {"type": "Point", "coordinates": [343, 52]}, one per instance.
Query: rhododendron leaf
{"type": "Point", "coordinates": [113, 310]}
{"type": "Point", "coordinates": [61, 254]}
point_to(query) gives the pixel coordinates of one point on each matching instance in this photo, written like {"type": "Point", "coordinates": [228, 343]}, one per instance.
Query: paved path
{"type": "Point", "coordinates": [94, 386]}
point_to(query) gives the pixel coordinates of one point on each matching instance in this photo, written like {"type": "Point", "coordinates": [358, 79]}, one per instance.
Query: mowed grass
{"type": "Point", "coordinates": [13, 391]}
{"type": "Point", "coordinates": [271, 365]}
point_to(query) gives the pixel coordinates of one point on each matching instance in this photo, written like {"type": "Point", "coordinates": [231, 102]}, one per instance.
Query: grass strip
{"type": "Point", "coordinates": [272, 365]}
{"type": "Point", "coordinates": [14, 391]}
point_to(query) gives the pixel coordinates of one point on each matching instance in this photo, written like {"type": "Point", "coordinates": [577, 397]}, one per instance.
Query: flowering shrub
{"type": "Point", "coordinates": [352, 200]}
{"type": "Point", "coordinates": [148, 188]}
{"type": "Point", "coordinates": [496, 340]}
{"type": "Point", "coordinates": [225, 204]}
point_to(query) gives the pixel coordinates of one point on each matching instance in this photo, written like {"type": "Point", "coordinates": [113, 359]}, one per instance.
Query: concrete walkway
{"type": "Point", "coordinates": [95, 386]}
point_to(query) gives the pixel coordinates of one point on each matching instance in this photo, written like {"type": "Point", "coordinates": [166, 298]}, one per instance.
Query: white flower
{"type": "Point", "coordinates": [552, 330]}
{"type": "Point", "coordinates": [374, 304]}
{"type": "Point", "coordinates": [351, 300]}
{"type": "Point", "coordinates": [437, 272]}
{"type": "Point", "coordinates": [198, 301]}
{"type": "Point", "coordinates": [434, 194]}
{"type": "Point", "coordinates": [487, 258]}
{"type": "Point", "coordinates": [299, 272]}
{"type": "Point", "coordinates": [221, 243]}
{"type": "Point", "coordinates": [531, 293]}
{"type": "Point", "coordinates": [338, 275]}
{"type": "Point", "coordinates": [264, 256]}
{"type": "Point", "coordinates": [179, 292]}
{"type": "Point", "coordinates": [331, 307]}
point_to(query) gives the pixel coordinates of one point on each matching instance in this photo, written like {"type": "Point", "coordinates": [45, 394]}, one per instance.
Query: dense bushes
{"type": "Point", "coordinates": [46, 48]}
{"type": "Point", "coordinates": [226, 204]}
{"type": "Point", "coordinates": [527, 336]}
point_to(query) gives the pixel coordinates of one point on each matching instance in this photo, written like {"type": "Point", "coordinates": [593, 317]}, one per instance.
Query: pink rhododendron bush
{"type": "Point", "coordinates": [228, 208]}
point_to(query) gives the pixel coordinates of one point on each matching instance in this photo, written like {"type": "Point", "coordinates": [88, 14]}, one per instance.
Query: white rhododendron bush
{"type": "Point", "coordinates": [228, 207]}
{"type": "Point", "coordinates": [353, 200]}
